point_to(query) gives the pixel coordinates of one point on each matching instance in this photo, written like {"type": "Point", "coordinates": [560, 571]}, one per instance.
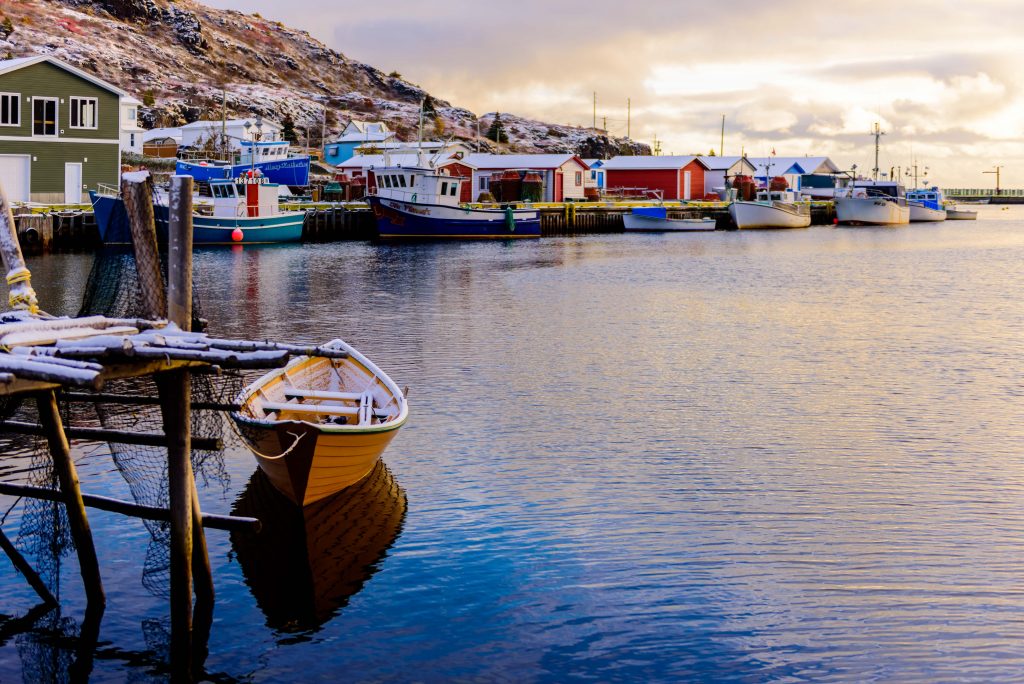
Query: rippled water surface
{"type": "Point", "coordinates": [755, 456]}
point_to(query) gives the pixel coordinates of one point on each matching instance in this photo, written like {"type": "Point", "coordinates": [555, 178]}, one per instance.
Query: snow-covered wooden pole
{"type": "Point", "coordinates": [137, 192]}
{"type": "Point", "coordinates": [19, 280]}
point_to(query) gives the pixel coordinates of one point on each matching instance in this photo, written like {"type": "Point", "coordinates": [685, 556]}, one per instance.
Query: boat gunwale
{"type": "Point", "coordinates": [247, 393]}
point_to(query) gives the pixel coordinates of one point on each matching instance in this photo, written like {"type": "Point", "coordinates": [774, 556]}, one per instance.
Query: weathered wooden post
{"type": "Point", "coordinates": [137, 192]}
{"type": "Point", "coordinates": [19, 280]}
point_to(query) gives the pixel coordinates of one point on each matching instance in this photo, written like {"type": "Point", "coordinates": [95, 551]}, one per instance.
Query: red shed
{"type": "Point", "coordinates": [674, 176]}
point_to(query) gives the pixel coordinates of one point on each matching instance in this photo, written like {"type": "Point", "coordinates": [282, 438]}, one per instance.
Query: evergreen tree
{"type": "Point", "coordinates": [497, 131]}
{"type": "Point", "coordinates": [288, 129]}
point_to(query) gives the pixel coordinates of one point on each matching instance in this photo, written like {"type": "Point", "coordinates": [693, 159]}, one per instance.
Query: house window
{"type": "Point", "coordinates": [83, 112]}
{"type": "Point", "coordinates": [579, 178]}
{"type": "Point", "coordinates": [10, 109]}
{"type": "Point", "coordinates": [132, 114]}
{"type": "Point", "coordinates": [332, 151]}
{"type": "Point", "coordinates": [131, 140]}
{"type": "Point", "coordinates": [44, 116]}
{"type": "Point", "coordinates": [485, 183]}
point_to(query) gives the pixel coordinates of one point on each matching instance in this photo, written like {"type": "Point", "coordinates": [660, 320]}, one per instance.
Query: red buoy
{"type": "Point", "coordinates": [835, 221]}
{"type": "Point", "coordinates": [237, 235]}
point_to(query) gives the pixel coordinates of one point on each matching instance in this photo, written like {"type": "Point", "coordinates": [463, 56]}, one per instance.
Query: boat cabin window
{"type": "Point", "coordinates": [401, 181]}
{"type": "Point", "coordinates": [454, 189]}
{"type": "Point", "coordinates": [444, 187]}
{"type": "Point", "coordinates": [385, 181]}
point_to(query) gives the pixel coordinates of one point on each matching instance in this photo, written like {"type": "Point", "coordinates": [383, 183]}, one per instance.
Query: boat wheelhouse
{"type": "Point", "coordinates": [771, 209]}
{"type": "Point", "coordinates": [272, 158]}
{"type": "Point", "coordinates": [421, 202]}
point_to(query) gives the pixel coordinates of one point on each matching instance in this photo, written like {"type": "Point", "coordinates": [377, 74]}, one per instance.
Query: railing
{"type": "Point", "coordinates": [983, 192]}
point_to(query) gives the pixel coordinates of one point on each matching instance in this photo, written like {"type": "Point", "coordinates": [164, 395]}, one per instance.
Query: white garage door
{"type": "Point", "coordinates": [14, 175]}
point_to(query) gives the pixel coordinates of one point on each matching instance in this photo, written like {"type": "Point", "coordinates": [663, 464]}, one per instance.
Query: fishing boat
{"type": "Point", "coordinates": [873, 203]}
{"type": "Point", "coordinates": [770, 209]}
{"type": "Point", "coordinates": [656, 220]}
{"type": "Point", "coordinates": [926, 205]}
{"type": "Point", "coordinates": [243, 211]}
{"type": "Point", "coordinates": [421, 202]}
{"type": "Point", "coordinates": [273, 159]}
{"type": "Point", "coordinates": [307, 562]}
{"type": "Point", "coordinates": [320, 424]}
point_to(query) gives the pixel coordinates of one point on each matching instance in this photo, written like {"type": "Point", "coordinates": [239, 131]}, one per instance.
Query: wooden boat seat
{"type": "Point", "coordinates": [293, 393]}
{"type": "Point", "coordinates": [323, 409]}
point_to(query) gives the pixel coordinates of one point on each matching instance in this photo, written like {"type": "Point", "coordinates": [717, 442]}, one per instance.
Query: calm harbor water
{"type": "Point", "coordinates": [748, 456]}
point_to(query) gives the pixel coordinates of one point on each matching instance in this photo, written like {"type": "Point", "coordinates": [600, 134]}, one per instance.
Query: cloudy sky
{"type": "Point", "coordinates": [944, 77]}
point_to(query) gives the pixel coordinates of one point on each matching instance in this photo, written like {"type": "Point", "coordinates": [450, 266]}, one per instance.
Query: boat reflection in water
{"type": "Point", "coordinates": [307, 561]}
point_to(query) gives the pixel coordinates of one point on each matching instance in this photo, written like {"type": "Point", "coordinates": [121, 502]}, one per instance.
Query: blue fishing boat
{"type": "Point", "coordinates": [242, 213]}
{"type": "Point", "coordinates": [420, 202]}
{"type": "Point", "coordinates": [926, 205]}
{"type": "Point", "coordinates": [270, 158]}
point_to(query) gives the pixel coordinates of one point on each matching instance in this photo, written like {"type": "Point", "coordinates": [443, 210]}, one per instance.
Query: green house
{"type": "Point", "coordinates": [59, 131]}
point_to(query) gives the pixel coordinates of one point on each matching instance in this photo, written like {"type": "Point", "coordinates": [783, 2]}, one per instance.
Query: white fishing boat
{"type": "Point", "coordinates": [873, 203]}
{"type": "Point", "coordinates": [926, 205]}
{"type": "Point", "coordinates": [656, 220]}
{"type": "Point", "coordinates": [770, 209]}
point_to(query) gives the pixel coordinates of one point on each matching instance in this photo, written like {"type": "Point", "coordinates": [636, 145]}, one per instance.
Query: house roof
{"type": "Point", "coordinates": [649, 163]}
{"type": "Point", "coordinates": [397, 144]}
{"type": "Point", "coordinates": [364, 127]}
{"type": "Point", "coordinates": [522, 161]}
{"type": "Point", "coordinates": [720, 163]}
{"type": "Point", "coordinates": [162, 133]}
{"type": "Point", "coordinates": [211, 123]}
{"type": "Point", "coordinates": [367, 161]}
{"type": "Point", "coordinates": [801, 165]}
{"type": "Point", "coordinates": [9, 65]}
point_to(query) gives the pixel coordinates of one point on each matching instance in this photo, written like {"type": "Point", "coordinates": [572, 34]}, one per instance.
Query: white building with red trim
{"type": "Point", "coordinates": [563, 174]}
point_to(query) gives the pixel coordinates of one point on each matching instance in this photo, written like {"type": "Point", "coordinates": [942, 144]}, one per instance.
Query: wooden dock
{"type": "Point", "coordinates": [74, 230]}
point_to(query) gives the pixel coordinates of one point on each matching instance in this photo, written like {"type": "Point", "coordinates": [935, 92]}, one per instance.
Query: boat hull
{"type": "Point", "coordinates": [290, 171]}
{"type": "Point", "coordinates": [397, 219]}
{"type": "Point", "coordinates": [961, 215]}
{"type": "Point", "coordinates": [112, 225]}
{"type": "Point", "coordinates": [638, 223]}
{"type": "Point", "coordinates": [306, 455]}
{"type": "Point", "coordinates": [748, 215]}
{"type": "Point", "coordinates": [920, 213]}
{"type": "Point", "coordinates": [861, 211]}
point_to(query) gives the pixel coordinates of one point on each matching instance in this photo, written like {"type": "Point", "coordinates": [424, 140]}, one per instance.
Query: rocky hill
{"type": "Point", "coordinates": [184, 59]}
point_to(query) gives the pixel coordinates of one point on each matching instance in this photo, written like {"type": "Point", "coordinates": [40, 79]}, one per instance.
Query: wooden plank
{"type": "Point", "coordinates": [34, 338]}
{"type": "Point", "coordinates": [229, 523]}
{"type": "Point", "coordinates": [317, 394]}
{"type": "Point", "coordinates": [116, 436]}
{"type": "Point", "coordinates": [322, 409]}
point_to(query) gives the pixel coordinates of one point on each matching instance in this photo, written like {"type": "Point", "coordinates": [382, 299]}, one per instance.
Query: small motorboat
{"type": "Point", "coordinates": [656, 220]}
{"type": "Point", "coordinates": [873, 203]}
{"type": "Point", "coordinates": [320, 424]}
{"type": "Point", "coordinates": [953, 213]}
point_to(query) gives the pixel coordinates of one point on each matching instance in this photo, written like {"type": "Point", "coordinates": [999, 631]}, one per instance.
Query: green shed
{"type": "Point", "coordinates": [59, 131]}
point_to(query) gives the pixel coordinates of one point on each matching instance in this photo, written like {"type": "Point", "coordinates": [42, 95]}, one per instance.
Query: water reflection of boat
{"type": "Point", "coordinates": [307, 561]}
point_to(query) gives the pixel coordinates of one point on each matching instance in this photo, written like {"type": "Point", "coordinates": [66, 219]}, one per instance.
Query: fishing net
{"type": "Point", "coordinates": [114, 290]}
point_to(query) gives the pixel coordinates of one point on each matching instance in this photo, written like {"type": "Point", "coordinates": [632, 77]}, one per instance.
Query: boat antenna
{"type": "Point", "coordinates": [419, 150]}
{"type": "Point", "coordinates": [878, 133]}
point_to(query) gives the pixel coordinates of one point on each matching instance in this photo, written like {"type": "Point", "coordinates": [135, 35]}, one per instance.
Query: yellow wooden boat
{"type": "Point", "coordinates": [320, 424]}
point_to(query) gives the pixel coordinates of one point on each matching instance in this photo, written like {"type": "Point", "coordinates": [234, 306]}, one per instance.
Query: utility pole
{"type": "Point", "coordinates": [627, 117]}
{"type": "Point", "coordinates": [323, 130]}
{"type": "Point", "coordinates": [721, 144]}
{"type": "Point", "coordinates": [595, 109]}
{"type": "Point", "coordinates": [878, 133]}
{"type": "Point", "coordinates": [604, 122]}
{"type": "Point", "coordinates": [997, 177]}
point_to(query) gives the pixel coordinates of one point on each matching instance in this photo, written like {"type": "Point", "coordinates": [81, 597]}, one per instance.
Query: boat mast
{"type": "Point", "coordinates": [878, 133]}
{"type": "Point", "coordinates": [419, 148]}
